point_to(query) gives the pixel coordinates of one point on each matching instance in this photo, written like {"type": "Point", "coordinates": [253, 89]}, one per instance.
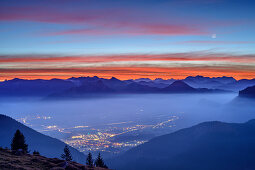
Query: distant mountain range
{"type": "Point", "coordinates": [21, 87]}
{"type": "Point", "coordinates": [209, 145]}
{"type": "Point", "coordinates": [223, 83]}
{"type": "Point", "coordinates": [82, 86]}
{"type": "Point", "coordinates": [47, 146]}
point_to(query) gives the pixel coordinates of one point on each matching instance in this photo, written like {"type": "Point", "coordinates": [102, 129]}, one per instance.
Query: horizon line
{"type": "Point", "coordinates": [110, 77]}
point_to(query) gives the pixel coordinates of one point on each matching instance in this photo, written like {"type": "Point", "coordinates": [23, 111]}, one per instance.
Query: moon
{"type": "Point", "coordinates": [214, 36]}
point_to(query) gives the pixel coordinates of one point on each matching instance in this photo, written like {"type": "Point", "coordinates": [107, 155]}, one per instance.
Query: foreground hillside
{"type": "Point", "coordinates": [209, 145]}
{"type": "Point", "coordinates": [46, 145]}
{"type": "Point", "coordinates": [248, 92]}
{"type": "Point", "coordinates": [34, 162]}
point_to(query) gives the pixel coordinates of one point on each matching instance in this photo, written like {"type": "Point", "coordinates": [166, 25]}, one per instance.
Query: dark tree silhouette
{"type": "Point", "coordinates": [99, 162]}
{"type": "Point", "coordinates": [19, 142]}
{"type": "Point", "coordinates": [89, 160]}
{"type": "Point", "coordinates": [66, 155]}
{"type": "Point", "coordinates": [36, 152]}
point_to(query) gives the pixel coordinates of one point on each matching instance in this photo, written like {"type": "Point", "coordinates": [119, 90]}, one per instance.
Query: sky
{"type": "Point", "coordinates": [127, 39]}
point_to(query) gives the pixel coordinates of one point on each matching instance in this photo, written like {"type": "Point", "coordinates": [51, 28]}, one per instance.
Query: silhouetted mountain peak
{"type": "Point", "coordinates": [114, 79]}
{"type": "Point", "coordinates": [84, 78]}
{"type": "Point", "coordinates": [139, 88]}
{"type": "Point", "coordinates": [16, 79]}
{"type": "Point", "coordinates": [179, 87]}
{"type": "Point", "coordinates": [92, 87]}
{"type": "Point", "coordinates": [226, 77]}
{"type": "Point", "coordinates": [197, 77]}
{"type": "Point", "coordinates": [179, 83]}
{"type": "Point", "coordinates": [142, 79]}
{"type": "Point", "coordinates": [223, 79]}
{"type": "Point", "coordinates": [158, 79]}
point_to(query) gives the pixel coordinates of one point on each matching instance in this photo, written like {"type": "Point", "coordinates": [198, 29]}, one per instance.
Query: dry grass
{"type": "Point", "coordinates": [36, 162]}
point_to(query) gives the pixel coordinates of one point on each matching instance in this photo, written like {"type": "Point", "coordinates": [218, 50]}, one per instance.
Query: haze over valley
{"type": "Point", "coordinates": [112, 123]}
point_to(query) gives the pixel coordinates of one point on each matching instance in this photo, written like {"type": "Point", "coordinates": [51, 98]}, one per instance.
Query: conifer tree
{"type": "Point", "coordinates": [66, 155]}
{"type": "Point", "coordinates": [36, 152]}
{"type": "Point", "coordinates": [99, 162]}
{"type": "Point", "coordinates": [18, 142]}
{"type": "Point", "coordinates": [89, 160]}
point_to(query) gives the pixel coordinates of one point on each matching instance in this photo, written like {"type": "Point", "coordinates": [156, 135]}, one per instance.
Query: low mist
{"type": "Point", "coordinates": [190, 109]}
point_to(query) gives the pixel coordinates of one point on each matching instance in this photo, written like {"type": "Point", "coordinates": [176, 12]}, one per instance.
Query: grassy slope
{"type": "Point", "coordinates": [34, 162]}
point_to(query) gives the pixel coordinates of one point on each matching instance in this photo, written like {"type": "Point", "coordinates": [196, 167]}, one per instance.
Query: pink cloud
{"type": "Point", "coordinates": [47, 14]}
{"type": "Point", "coordinates": [99, 21]}
{"type": "Point", "coordinates": [138, 29]}
{"type": "Point", "coordinates": [198, 56]}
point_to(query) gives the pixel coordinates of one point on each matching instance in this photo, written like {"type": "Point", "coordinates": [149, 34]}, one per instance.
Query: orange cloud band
{"type": "Point", "coordinates": [126, 72]}
{"type": "Point", "coordinates": [174, 65]}
{"type": "Point", "coordinates": [131, 57]}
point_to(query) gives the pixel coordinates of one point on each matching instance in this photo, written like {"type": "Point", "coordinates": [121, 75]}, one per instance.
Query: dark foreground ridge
{"type": "Point", "coordinates": [248, 92]}
{"type": "Point", "coordinates": [46, 145]}
{"type": "Point", "coordinates": [209, 145]}
{"type": "Point", "coordinates": [8, 160]}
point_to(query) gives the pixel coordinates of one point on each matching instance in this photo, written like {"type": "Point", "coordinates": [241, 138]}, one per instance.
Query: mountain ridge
{"type": "Point", "coordinates": [209, 145]}
{"type": "Point", "coordinates": [249, 92]}
{"type": "Point", "coordinates": [88, 85]}
{"type": "Point", "coordinates": [46, 145]}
